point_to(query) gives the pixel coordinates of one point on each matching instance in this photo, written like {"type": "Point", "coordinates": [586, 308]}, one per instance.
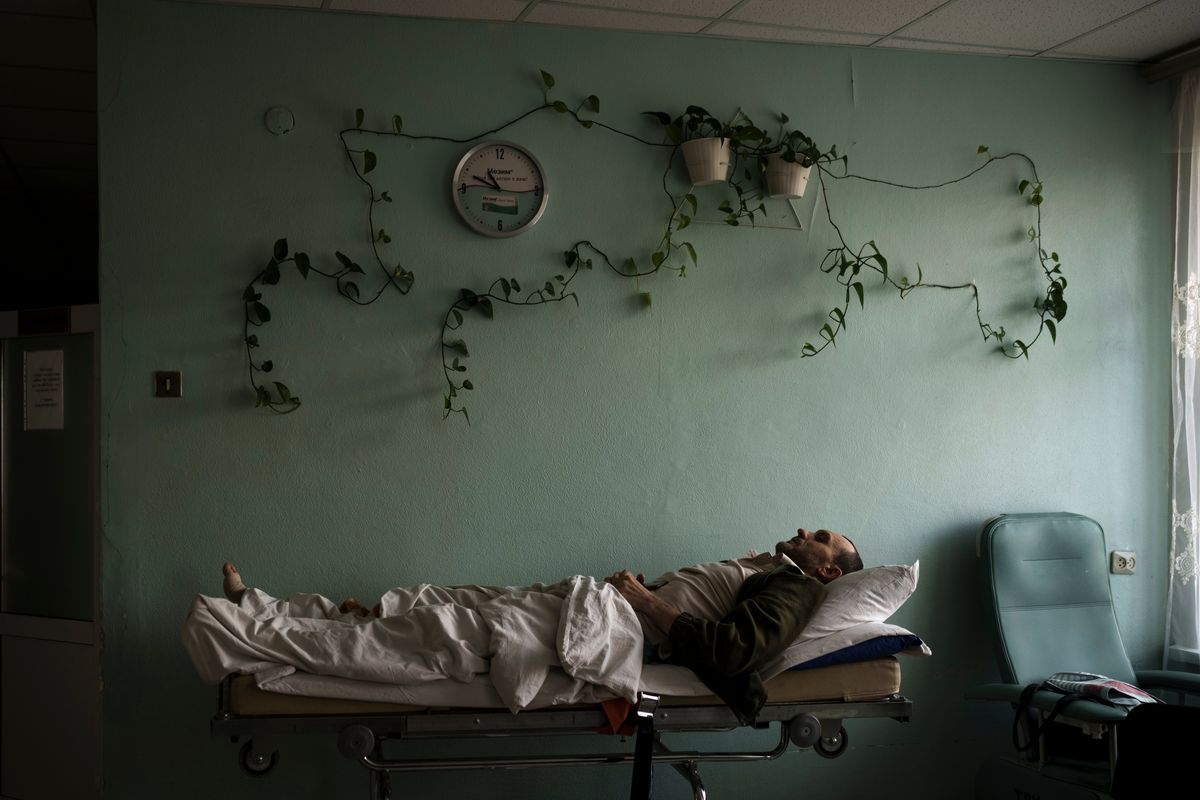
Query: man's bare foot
{"type": "Point", "coordinates": [233, 586]}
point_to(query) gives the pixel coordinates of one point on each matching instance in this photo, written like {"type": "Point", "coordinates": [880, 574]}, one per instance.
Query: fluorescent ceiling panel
{"type": "Point", "coordinates": [1156, 30]}
{"type": "Point", "coordinates": [1025, 24]}
{"type": "Point", "coordinates": [492, 10]}
{"type": "Point", "coordinates": [742, 30]}
{"type": "Point", "coordinates": [878, 17]}
{"type": "Point", "coordinates": [556, 14]}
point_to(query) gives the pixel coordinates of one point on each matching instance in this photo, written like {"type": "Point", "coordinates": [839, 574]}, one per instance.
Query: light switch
{"type": "Point", "coordinates": [168, 384]}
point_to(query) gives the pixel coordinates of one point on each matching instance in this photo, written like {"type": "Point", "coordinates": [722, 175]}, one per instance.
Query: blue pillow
{"type": "Point", "coordinates": [878, 647]}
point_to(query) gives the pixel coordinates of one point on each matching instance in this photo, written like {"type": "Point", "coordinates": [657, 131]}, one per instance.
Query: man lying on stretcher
{"type": "Point", "coordinates": [721, 620]}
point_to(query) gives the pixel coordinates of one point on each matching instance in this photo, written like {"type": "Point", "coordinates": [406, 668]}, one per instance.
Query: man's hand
{"type": "Point", "coordinates": [633, 589]}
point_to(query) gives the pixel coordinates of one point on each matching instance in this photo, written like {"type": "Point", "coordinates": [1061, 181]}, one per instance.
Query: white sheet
{"type": "Point", "coordinates": [517, 636]}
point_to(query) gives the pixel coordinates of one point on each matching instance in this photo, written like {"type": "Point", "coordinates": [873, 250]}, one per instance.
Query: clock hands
{"type": "Point", "coordinates": [490, 180]}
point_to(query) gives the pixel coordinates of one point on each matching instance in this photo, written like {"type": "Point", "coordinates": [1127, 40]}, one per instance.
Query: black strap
{"type": "Point", "coordinates": [642, 785]}
{"type": "Point", "coordinates": [1038, 730]}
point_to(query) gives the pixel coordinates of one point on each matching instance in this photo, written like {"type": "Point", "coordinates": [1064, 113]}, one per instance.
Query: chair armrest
{"type": "Point", "coordinates": [1043, 700]}
{"type": "Point", "coordinates": [1169, 679]}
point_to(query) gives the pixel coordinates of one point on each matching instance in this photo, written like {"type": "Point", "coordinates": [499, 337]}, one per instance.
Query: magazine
{"type": "Point", "coordinates": [1100, 688]}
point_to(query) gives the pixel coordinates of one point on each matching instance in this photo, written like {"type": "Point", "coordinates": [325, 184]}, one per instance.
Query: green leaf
{"type": "Point", "coordinates": [691, 198]}
{"type": "Point", "coordinates": [657, 258]}
{"type": "Point", "coordinates": [827, 331]}
{"type": "Point", "coordinates": [732, 220]}
{"type": "Point", "coordinates": [271, 274]}
{"type": "Point", "coordinates": [505, 286]}
{"type": "Point", "coordinates": [397, 123]}
{"type": "Point", "coordinates": [344, 259]}
{"type": "Point", "coordinates": [549, 288]}
{"type": "Point", "coordinates": [446, 402]}
{"type": "Point", "coordinates": [250, 295]}
{"type": "Point", "coordinates": [1036, 200]}
{"type": "Point", "coordinates": [587, 123]}
{"type": "Point", "coordinates": [485, 308]}
{"type": "Point", "coordinates": [458, 317]}
{"type": "Point", "coordinates": [691, 251]}
{"type": "Point", "coordinates": [281, 249]}
{"type": "Point", "coordinates": [570, 257]}
{"type": "Point", "coordinates": [560, 106]}
{"type": "Point", "coordinates": [516, 286]}
{"type": "Point", "coordinates": [284, 394]}
{"type": "Point", "coordinates": [593, 103]}
{"type": "Point", "coordinates": [454, 364]}
{"type": "Point", "coordinates": [560, 279]}
{"type": "Point", "coordinates": [647, 299]}
{"type": "Point", "coordinates": [262, 312]}
{"type": "Point", "coordinates": [674, 133]}
{"type": "Point", "coordinates": [1053, 330]}
{"type": "Point", "coordinates": [468, 295]}
{"type": "Point", "coordinates": [661, 117]}
{"type": "Point", "coordinates": [547, 79]}
{"type": "Point", "coordinates": [629, 265]}
{"type": "Point", "coordinates": [1022, 186]}
{"type": "Point", "coordinates": [808, 349]}
{"type": "Point", "coordinates": [468, 385]}
{"type": "Point", "coordinates": [684, 221]}
{"type": "Point", "coordinates": [783, 118]}
{"type": "Point", "coordinates": [252, 340]}
{"type": "Point", "coordinates": [368, 161]}
{"type": "Point", "coordinates": [1055, 257]}
{"type": "Point", "coordinates": [261, 397]}
{"type": "Point", "coordinates": [458, 346]}
{"type": "Point", "coordinates": [302, 264]}
{"type": "Point", "coordinates": [1024, 348]}
{"type": "Point", "coordinates": [387, 198]}
{"type": "Point", "coordinates": [350, 288]}
{"type": "Point", "coordinates": [267, 366]}
{"type": "Point", "coordinates": [358, 117]}
{"type": "Point", "coordinates": [982, 149]}
{"type": "Point", "coordinates": [858, 287]}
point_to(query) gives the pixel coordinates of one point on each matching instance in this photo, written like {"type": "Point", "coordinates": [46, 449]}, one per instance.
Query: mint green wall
{"type": "Point", "coordinates": [604, 436]}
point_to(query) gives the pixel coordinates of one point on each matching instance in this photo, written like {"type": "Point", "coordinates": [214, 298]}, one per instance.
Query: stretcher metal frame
{"type": "Point", "coordinates": [815, 725]}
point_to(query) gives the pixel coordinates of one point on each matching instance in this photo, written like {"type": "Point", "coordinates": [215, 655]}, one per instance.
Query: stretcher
{"type": "Point", "coordinates": [809, 707]}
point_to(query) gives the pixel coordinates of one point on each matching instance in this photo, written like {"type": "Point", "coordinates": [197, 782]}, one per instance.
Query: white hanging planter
{"type": "Point", "coordinates": [786, 178]}
{"type": "Point", "coordinates": [707, 160]}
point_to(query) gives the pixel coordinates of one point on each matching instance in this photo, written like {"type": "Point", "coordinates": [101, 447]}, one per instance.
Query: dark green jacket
{"type": "Point", "coordinates": [772, 608]}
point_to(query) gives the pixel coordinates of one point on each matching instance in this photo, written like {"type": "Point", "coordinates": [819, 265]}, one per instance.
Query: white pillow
{"type": "Point", "coordinates": [869, 595]}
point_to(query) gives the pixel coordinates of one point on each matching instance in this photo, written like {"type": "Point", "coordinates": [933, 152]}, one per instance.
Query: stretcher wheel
{"type": "Point", "coordinates": [804, 730]}
{"type": "Point", "coordinates": [832, 746]}
{"type": "Point", "coordinates": [356, 741]}
{"type": "Point", "coordinates": [255, 762]}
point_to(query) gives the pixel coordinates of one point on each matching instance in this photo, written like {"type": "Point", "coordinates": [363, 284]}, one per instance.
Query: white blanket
{"type": "Point", "coordinates": [429, 634]}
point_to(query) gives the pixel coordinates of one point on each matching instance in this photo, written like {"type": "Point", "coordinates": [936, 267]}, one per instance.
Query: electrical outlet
{"type": "Point", "coordinates": [1123, 562]}
{"type": "Point", "coordinates": [168, 384]}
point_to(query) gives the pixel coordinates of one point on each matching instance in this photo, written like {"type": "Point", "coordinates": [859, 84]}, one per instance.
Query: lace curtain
{"type": "Point", "coordinates": [1183, 598]}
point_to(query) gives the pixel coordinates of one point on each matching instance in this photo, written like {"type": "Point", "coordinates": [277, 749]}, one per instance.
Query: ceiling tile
{"type": "Point", "coordinates": [556, 14]}
{"type": "Point", "coordinates": [688, 8]}
{"type": "Point", "coordinates": [1143, 36]}
{"type": "Point", "coordinates": [900, 43]}
{"type": "Point", "coordinates": [742, 30]}
{"type": "Point", "coordinates": [859, 16]}
{"type": "Point", "coordinates": [1026, 24]}
{"type": "Point", "coordinates": [285, 3]}
{"type": "Point", "coordinates": [495, 10]}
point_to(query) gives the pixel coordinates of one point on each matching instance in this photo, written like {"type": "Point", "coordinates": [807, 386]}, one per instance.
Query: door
{"type": "Point", "coordinates": [49, 558]}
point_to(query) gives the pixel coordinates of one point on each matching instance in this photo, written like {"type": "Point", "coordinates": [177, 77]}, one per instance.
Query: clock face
{"type": "Point", "coordinates": [499, 189]}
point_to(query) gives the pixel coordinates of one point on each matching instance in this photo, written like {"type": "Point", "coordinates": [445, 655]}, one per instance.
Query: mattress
{"type": "Point", "coordinates": [855, 682]}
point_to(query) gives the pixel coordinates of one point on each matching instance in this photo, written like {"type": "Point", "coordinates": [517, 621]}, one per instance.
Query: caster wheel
{"type": "Point", "coordinates": [254, 762]}
{"type": "Point", "coordinates": [832, 746]}
{"type": "Point", "coordinates": [804, 730]}
{"type": "Point", "coordinates": [356, 741]}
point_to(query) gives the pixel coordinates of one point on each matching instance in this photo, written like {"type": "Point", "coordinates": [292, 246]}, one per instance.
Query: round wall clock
{"type": "Point", "coordinates": [499, 188]}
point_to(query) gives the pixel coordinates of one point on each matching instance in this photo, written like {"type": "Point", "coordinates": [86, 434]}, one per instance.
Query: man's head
{"type": "Point", "coordinates": [823, 554]}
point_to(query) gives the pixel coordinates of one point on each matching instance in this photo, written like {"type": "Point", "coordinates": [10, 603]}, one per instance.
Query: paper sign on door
{"type": "Point", "coordinates": [44, 390]}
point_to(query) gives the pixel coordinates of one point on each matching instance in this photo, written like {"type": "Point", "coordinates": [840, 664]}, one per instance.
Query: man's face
{"type": "Point", "coordinates": [814, 551]}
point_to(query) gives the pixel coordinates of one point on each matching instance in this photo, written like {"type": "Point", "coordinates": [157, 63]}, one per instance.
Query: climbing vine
{"type": "Point", "coordinates": [750, 145]}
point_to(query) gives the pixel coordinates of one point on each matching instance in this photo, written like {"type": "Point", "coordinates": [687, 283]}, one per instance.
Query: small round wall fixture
{"type": "Point", "coordinates": [499, 189]}
{"type": "Point", "coordinates": [279, 120]}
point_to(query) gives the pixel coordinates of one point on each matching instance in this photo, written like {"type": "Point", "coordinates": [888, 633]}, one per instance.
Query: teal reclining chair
{"type": "Point", "coordinates": [1049, 605]}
